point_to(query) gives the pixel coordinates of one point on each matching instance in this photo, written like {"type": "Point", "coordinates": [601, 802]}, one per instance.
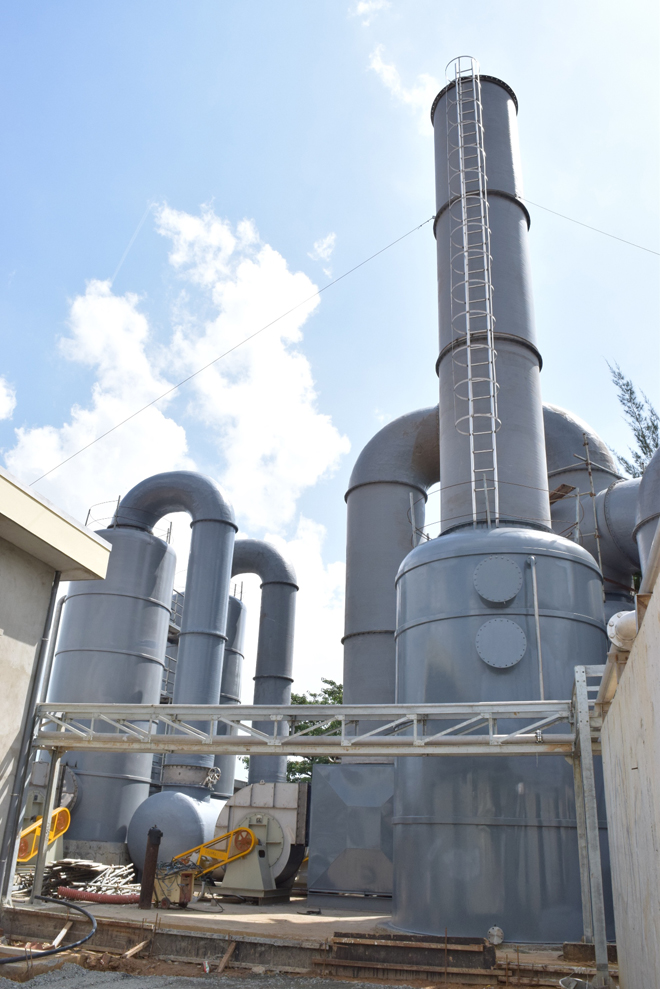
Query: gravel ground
{"type": "Point", "coordinates": [74, 977]}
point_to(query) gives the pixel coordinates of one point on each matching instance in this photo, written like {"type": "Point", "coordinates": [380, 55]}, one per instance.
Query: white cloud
{"type": "Point", "coordinates": [367, 8]}
{"type": "Point", "coordinates": [258, 406]}
{"type": "Point", "coordinates": [418, 97]}
{"type": "Point", "coordinates": [7, 399]}
{"type": "Point", "coordinates": [323, 248]}
{"type": "Point", "coordinates": [111, 336]}
{"type": "Point", "coordinates": [261, 399]}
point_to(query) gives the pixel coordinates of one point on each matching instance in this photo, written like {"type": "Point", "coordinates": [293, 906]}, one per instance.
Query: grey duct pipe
{"type": "Point", "coordinates": [400, 461]}
{"type": "Point", "coordinates": [648, 509]}
{"type": "Point", "coordinates": [615, 502]}
{"type": "Point", "coordinates": [230, 691]}
{"type": "Point", "coordinates": [203, 626]}
{"type": "Point", "coordinates": [272, 681]}
{"type": "Point", "coordinates": [523, 493]}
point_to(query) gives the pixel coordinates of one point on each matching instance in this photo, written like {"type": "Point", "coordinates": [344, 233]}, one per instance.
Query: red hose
{"type": "Point", "coordinates": [80, 894]}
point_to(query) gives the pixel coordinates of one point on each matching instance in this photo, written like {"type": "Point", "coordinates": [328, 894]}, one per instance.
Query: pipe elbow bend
{"type": "Point", "coordinates": [648, 509]}
{"type": "Point", "coordinates": [257, 556]}
{"type": "Point", "coordinates": [174, 491]}
{"type": "Point", "coordinates": [405, 451]}
{"type": "Point", "coordinates": [648, 500]}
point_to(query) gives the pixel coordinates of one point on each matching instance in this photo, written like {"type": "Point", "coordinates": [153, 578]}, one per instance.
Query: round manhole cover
{"type": "Point", "coordinates": [498, 579]}
{"type": "Point", "coordinates": [501, 643]}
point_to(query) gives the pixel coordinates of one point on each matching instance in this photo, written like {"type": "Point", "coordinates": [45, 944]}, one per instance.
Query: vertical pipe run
{"type": "Point", "coordinates": [52, 642]}
{"type": "Point", "coordinates": [10, 839]}
{"type": "Point", "coordinates": [537, 625]}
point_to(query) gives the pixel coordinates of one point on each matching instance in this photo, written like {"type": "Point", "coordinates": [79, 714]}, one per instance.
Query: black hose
{"type": "Point", "coordinates": [62, 947]}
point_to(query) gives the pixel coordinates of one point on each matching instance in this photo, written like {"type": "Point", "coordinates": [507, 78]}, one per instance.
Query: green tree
{"type": "Point", "coordinates": [642, 419]}
{"type": "Point", "coordinates": [300, 770]}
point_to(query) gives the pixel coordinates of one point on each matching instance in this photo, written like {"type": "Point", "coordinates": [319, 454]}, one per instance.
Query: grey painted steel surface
{"type": "Point", "coordinates": [399, 461]}
{"type": "Point", "coordinates": [520, 448]}
{"type": "Point", "coordinates": [272, 681]}
{"type": "Point", "coordinates": [203, 626]}
{"type": "Point", "coordinates": [184, 821]}
{"type": "Point", "coordinates": [350, 838]}
{"type": "Point", "coordinates": [230, 692]}
{"type": "Point", "coordinates": [480, 844]}
{"type": "Point", "coordinates": [616, 501]}
{"type": "Point", "coordinates": [648, 509]}
{"type": "Point", "coordinates": [111, 649]}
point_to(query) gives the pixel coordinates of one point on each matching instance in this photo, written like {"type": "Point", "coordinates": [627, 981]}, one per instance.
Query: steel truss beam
{"type": "Point", "coordinates": [400, 729]}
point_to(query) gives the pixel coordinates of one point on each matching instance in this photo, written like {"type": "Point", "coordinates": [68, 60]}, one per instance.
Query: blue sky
{"type": "Point", "coordinates": [310, 121]}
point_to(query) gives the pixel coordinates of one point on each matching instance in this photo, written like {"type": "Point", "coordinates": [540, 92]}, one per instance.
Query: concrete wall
{"type": "Point", "coordinates": [631, 762]}
{"type": "Point", "coordinates": [25, 585]}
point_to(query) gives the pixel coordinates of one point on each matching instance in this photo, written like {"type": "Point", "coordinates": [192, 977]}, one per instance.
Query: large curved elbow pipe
{"type": "Point", "coordinates": [203, 627]}
{"type": "Point", "coordinates": [400, 461]}
{"type": "Point", "coordinates": [272, 681]}
{"type": "Point", "coordinates": [611, 515]}
{"type": "Point", "coordinates": [648, 510]}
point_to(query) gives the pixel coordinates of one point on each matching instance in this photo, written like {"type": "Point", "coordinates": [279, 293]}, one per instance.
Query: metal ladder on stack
{"type": "Point", "coordinates": [473, 350]}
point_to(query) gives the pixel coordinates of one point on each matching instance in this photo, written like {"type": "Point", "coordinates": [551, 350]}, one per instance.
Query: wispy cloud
{"type": "Point", "coordinates": [367, 8]}
{"type": "Point", "coordinates": [418, 97]}
{"type": "Point", "coordinates": [323, 248]}
{"type": "Point", "coordinates": [322, 251]}
{"type": "Point", "coordinates": [7, 399]}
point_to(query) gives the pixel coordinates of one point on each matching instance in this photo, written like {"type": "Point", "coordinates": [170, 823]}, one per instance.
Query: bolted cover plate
{"type": "Point", "coordinates": [501, 643]}
{"type": "Point", "coordinates": [498, 579]}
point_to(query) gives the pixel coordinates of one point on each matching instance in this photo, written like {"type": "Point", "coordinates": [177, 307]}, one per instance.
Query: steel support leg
{"type": "Point", "coordinates": [49, 807]}
{"type": "Point", "coordinates": [583, 732]}
{"type": "Point", "coordinates": [585, 886]}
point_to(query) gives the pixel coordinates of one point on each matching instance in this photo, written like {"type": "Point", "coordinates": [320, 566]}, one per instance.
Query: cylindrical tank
{"type": "Point", "coordinates": [523, 483]}
{"type": "Point", "coordinates": [184, 821]}
{"type": "Point", "coordinates": [111, 650]}
{"type": "Point", "coordinates": [483, 841]}
{"type": "Point", "coordinates": [230, 692]}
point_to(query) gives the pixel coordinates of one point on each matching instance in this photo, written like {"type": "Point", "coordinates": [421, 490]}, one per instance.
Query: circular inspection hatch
{"type": "Point", "coordinates": [501, 643]}
{"type": "Point", "coordinates": [498, 579]}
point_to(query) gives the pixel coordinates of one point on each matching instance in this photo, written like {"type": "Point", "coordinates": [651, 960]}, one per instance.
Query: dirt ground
{"type": "Point", "coordinates": [143, 974]}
